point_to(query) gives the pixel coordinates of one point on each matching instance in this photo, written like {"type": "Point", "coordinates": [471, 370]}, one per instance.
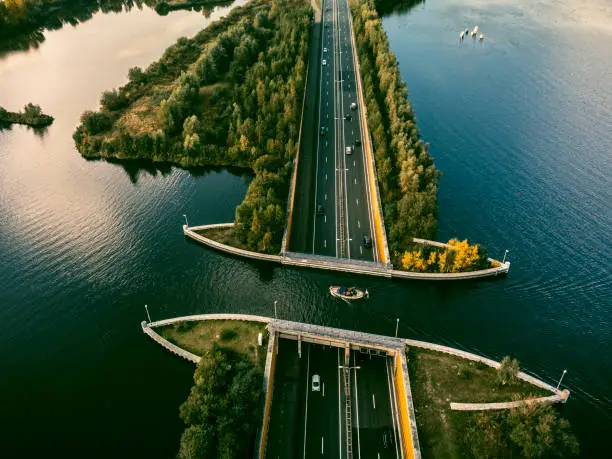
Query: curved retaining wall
{"type": "Point", "coordinates": [168, 345]}
{"type": "Point", "coordinates": [223, 247]}
{"type": "Point", "coordinates": [245, 317]}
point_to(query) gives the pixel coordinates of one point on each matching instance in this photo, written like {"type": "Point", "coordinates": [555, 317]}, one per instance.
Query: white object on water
{"type": "Point", "coordinates": [461, 35]}
{"type": "Point", "coordinates": [481, 37]}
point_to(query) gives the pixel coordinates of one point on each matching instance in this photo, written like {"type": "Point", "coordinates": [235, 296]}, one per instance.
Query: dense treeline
{"type": "Point", "coordinates": [406, 173]}
{"type": "Point", "coordinates": [224, 408]}
{"type": "Point", "coordinates": [228, 96]}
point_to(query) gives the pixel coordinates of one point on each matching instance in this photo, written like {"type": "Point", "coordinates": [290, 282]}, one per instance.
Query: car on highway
{"type": "Point", "coordinates": [324, 50]}
{"type": "Point", "coordinates": [316, 383]}
{"type": "Point", "coordinates": [323, 130]}
{"type": "Point", "coordinates": [320, 210]}
{"type": "Point", "coordinates": [324, 62]}
{"type": "Point", "coordinates": [353, 106]}
{"type": "Point", "coordinates": [357, 142]}
{"type": "Point", "coordinates": [366, 241]}
{"type": "Point", "coordinates": [348, 117]}
{"type": "Point", "coordinates": [349, 150]}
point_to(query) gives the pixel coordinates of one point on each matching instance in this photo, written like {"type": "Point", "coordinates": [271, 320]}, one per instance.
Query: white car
{"type": "Point", "coordinates": [316, 383]}
{"type": "Point", "coordinates": [349, 150]}
{"type": "Point", "coordinates": [324, 50]}
{"type": "Point", "coordinates": [324, 62]}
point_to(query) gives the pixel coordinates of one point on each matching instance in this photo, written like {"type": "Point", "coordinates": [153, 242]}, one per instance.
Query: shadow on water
{"type": "Point", "coordinates": [135, 167]}
{"type": "Point", "coordinates": [387, 7]}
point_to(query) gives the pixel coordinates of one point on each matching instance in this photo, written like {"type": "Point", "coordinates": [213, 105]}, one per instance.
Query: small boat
{"type": "Point", "coordinates": [481, 37]}
{"type": "Point", "coordinates": [467, 31]}
{"type": "Point", "coordinates": [461, 35]}
{"type": "Point", "coordinates": [346, 293]}
{"type": "Point", "coordinates": [475, 31]}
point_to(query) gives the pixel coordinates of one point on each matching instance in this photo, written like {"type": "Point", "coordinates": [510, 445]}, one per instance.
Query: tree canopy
{"type": "Point", "coordinates": [223, 410]}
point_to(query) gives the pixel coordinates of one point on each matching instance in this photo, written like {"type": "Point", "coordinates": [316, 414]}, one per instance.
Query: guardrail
{"type": "Point", "coordinates": [269, 392]}
{"type": "Point", "coordinates": [407, 418]}
{"type": "Point", "coordinates": [372, 176]}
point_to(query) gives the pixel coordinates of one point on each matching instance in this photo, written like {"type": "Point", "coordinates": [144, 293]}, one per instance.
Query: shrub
{"type": "Point", "coordinates": [507, 371]}
{"type": "Point", "coordinates": [228, 334]}
{"type": "Point", "coordinates": [113, 100]}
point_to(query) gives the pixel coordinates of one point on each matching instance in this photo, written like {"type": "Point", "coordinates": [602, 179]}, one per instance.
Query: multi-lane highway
{"type": "Point", "coordinates": [335, 195]}
{"type": "Point", "coordinates": [307, 422]}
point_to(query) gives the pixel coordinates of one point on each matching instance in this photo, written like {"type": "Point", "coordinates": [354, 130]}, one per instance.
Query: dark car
{"type": "Point", "coordinates": [320, 210]}
{"type": "Point", "coordinates": [323, 130]}
{"type": "Point", "coordinates": [348, 117]}
{"type": "Point", "coordinates": [366, 241]}
{"type": "Point", "coordinates": [357, 142]}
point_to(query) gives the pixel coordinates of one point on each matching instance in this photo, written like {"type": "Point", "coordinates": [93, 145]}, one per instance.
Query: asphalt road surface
{"type": "Point", "coordinates": [375, 432]}
{"type": "Point", "coordinates": [332, 204]}
{"type": "Point", "coordinates": [307, 423]}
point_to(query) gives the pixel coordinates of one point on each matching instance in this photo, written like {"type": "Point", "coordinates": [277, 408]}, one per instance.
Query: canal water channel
{"type": "Point", "coordinates": [520, 125]}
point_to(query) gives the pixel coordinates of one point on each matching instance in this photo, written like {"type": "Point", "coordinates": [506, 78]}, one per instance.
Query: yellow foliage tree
{"type": "Point", "coordinates": [413, 261]}
{"type": "Point", "coordinates": [465, 255]}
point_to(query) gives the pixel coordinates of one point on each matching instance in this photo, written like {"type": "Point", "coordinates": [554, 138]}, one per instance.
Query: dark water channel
{"type": "Point", "coordinates": [520, 125]}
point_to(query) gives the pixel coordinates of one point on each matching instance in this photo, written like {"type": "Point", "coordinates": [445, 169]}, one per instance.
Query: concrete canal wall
{"type": "Point", "coordinates": [339, 264]}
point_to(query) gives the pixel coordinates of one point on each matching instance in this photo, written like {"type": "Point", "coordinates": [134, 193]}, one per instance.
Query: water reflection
{"type": "Point", "coordinates": [23, 26]}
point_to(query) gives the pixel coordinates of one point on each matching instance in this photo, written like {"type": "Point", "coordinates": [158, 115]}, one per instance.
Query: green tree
{"type": "Point", "coordinates": [197, 442]}
{"type": "Point", "coordinates": [507, 371]}
{"type": "Point", "coordinates": [31, 112]}
{"type": "Point", "coordinates": [537, 432]}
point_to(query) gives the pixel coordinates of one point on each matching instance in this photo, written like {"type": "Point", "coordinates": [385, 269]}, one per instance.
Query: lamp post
{"type": "Point", "coordinates": [148, 316]}
{"type": "Point", "coordinates": [396, 326]}
{"type": "Point", "coordinates": [186, 222]}
{"type": "Point", "coordinates": [506, 253]}
{"type": "Point", "coordinates": [561, 379]}
{"type": "Point", "coordinates": [275, 315]}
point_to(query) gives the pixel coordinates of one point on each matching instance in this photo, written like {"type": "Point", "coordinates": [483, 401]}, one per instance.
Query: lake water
{"type": "Point", "coordinates": [520, 125]}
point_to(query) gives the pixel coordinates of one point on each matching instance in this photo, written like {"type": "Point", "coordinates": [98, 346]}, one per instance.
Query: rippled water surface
{"type": "Point", "coordinates": [520, 125]}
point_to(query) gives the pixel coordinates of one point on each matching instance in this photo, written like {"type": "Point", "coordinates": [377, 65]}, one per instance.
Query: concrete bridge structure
{"type": "Point", "coordinates": [350, 363]}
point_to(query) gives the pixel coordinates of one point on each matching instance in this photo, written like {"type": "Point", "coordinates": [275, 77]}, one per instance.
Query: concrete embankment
{"type": "Point", "coordinates": [339, 264]}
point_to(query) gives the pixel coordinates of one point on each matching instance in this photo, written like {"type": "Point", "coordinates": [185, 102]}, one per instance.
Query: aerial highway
{"type": "Point", "coordinates": [332, 204]}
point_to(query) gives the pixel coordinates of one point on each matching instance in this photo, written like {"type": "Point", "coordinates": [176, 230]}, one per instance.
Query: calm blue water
{"type": "Point", "coordinates": [519, 125]}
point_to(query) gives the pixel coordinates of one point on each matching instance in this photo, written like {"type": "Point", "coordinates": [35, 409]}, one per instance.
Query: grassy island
{"type": "Point", "coordinates": [528, 431]}
{"type": "Point", "coordinates": [231, 95]}
{"type": "Point", "coordinates": [32, 115]}
{"type": "Point", "coordinates": [224, 407]}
